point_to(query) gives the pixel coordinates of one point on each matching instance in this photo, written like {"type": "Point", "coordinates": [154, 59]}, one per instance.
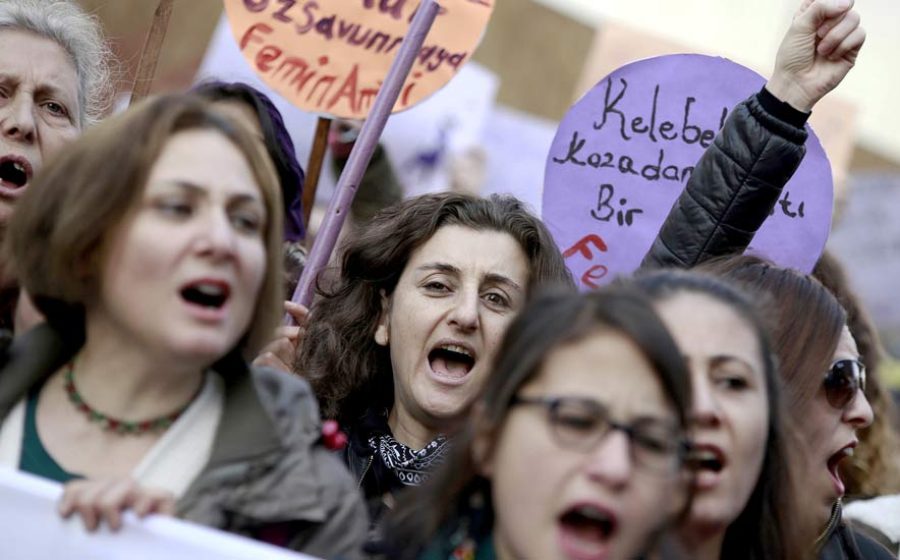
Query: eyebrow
{"type": "Point", "coordinates": [196, 190]}
{"type": "Point", "coordinates": [720, 359]}
{"type": "Point", "coordinates": [490, 277]}
{"type": "Point", "coordinates": [53, 91]}
{"type": "Point", "coordinates": [42, 89]}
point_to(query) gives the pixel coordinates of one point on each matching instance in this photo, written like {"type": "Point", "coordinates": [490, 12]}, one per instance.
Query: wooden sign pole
{"type": "Point", "coordinates": [373, 126]}
{"type": "Point", "coordinates": [314, 167]}
{"type": "Point", "coordinates": [150, 55]}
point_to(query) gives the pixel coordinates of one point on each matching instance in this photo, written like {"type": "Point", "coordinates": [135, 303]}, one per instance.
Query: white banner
{"type": "Point", "coordinates": [31, 528]}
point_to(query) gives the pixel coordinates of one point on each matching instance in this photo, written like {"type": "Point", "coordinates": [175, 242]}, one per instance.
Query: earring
{"type": "Point", "coordinates": [381, 335]}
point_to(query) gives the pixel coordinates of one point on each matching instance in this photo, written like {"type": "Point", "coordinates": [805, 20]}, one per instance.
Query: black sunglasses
{"type": "Point", "coordinates": [843, 380]}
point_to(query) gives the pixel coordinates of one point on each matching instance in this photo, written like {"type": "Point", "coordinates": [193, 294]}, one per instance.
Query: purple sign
{"type": "Point", "coordinates": [625, 151]}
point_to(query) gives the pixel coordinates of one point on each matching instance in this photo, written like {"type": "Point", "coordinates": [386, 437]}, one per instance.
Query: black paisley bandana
{"type": "Point", "coordinates": [410, 467]}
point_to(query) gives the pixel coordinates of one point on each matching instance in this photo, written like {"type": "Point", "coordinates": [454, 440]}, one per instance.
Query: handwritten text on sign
{"type": "Point", "coordinates": [626, 150]}
{"type": "Point", "coordinates": [330, 56]}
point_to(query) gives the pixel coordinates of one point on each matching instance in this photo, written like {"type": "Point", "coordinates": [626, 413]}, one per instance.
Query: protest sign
{"type": "Point", "coordinates": [31, 528]}
{"type": "Point", "coordinates": [331, 57]}
{"type": "Point", "coordinates": [625, 151]}
{"type": "Point", "coordinates": [834, 118]}
{"type": "Point", "coordinates": [361, 154]}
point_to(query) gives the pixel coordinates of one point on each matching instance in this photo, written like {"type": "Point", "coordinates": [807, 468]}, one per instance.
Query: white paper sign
{"type": "Point", "coordinates": [31, 529]}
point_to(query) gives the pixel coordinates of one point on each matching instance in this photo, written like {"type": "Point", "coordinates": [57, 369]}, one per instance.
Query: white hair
{"type": "Point", "coordinates": [80, 35]}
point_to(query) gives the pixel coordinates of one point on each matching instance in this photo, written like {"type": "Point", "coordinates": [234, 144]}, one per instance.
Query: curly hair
{"type": "Point", "coordinates": [81, 36]}
{"type": "Point", "coordinates": [347, 369]}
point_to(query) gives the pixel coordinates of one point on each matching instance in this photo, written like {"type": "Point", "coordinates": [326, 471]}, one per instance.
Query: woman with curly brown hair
{"type": "Point", "coordinates": [404, 337]}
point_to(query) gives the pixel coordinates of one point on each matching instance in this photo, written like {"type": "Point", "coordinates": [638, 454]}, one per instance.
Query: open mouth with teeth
{"type": "Point", "coordinates": [210, 295]}
{"type": "Point", "coordinates": [706, 460]}
{"type": "Point", "coordinates": [586, 532]}
{"type": "Point", "coordinates": [834, 471]}
{"type": "Point", "coordinates": [14, 173]}
{"type": "Point", "coordinates": [451, 361]}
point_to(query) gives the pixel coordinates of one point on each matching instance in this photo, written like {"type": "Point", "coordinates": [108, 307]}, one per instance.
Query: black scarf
{"type": "Point", "coordinates": [408, 466]}
{"type": "Point", "coordinates": [411, 467]}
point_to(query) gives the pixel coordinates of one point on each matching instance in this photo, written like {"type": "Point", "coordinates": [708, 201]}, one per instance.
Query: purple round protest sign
{"type": "Point", "coordinates": [625, 151]}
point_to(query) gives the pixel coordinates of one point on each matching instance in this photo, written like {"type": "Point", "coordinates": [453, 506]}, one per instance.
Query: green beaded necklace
{"type": "Point", "coordinates": [117, 425]}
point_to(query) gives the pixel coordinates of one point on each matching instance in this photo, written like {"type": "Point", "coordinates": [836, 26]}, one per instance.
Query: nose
{"type": "Point", "coordinates": [17, 120]}
{"type": "Point", "coordinates": [217, 235]}
{"type": "Point", "coordinates": [610, 462]}
{"type": "Point", "coordinates": [859, 412]}
{"type": "Point", "coordinates": [464, 314]}
{"type": "Point", "coordinates": [705, 407]}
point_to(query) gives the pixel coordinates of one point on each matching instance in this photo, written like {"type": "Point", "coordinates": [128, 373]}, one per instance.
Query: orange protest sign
{"type": "Point", "coordinates": [331, 56]}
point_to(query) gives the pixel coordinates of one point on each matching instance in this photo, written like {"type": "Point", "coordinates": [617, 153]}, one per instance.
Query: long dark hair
{"type": "Point", "coordinates": [767, 527]}
{"type": "Point", "coordinates": [550, 321]}
{"type": "Point", "coordinates": [349, 372]}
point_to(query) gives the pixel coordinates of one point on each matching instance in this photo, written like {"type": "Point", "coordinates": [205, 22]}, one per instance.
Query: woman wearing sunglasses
{"type": "Point", "coordinates": [823, 380]}
{"type": "Point", "coordinates": [573, 450]}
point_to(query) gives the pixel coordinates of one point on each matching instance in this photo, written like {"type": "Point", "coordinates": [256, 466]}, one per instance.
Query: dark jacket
{"type": "Point", "coordinates": [842, 542]}
{"type": "Point", "coordinates": [730, 194]}
{"type": "Point", "coordinates": [376, 482]}
{"type": "Point", "coordinates": [268, 476]}
{"type": "Point", "coordinates": [734, 186]}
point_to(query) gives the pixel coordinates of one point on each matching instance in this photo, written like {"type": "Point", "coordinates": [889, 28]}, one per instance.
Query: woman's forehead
{"type": "Point", "coordinates": [40, 61]}
{"type": "Point", "coordinates": [473, 251]}
{"type": "Point", "coordinates": [606, 366]}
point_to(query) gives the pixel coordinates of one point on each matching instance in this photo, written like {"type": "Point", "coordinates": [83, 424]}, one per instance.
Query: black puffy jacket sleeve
{"type": "Point", "coordinates": [733, 188]}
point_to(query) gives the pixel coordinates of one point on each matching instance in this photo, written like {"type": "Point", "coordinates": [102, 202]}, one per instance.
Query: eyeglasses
{"type": "Point", "coordinates": [842, 382]}
{"type": "Point", "coordinates": [581, 423]}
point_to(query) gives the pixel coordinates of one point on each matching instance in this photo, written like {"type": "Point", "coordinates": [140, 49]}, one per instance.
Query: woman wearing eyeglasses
{"type": "Point", "coordinates": [744, 502]}
{"type": "Point", "coordinates": [823, 380]}
{"type": "Point", "coordinates": [574, 449]}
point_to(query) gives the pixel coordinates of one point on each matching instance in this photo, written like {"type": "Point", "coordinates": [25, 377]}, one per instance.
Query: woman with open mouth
{"type": "Point", "coordinates": [745, 503]}
{"type": "Point", "coordinates": [403, 338]}
{"type": "Point", "coordinates": [824, 382]}
{"type": "Point", "coordinates": [575, 448]}
{"type": "Point", "coordinates": [153, 247]}
{"type": "Point", "coordinates": [55, 81]}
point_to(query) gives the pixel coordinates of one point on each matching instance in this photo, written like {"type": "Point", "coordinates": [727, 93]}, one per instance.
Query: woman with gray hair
{"type": "Point", "coordinates": [54, 81]}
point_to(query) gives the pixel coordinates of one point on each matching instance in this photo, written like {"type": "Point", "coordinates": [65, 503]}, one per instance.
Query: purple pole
{"type": "Point", "coordinates": [362, 153]}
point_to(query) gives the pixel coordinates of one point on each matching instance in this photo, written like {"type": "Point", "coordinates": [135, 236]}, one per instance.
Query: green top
{"type": "Point", "coordinates": [444, 549]}
{"type": "Point", "coordinates": [35, 458]}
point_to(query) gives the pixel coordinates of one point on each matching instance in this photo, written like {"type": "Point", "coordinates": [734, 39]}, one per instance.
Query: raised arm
{"type": "Point", "coordinates": [740, 177]}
